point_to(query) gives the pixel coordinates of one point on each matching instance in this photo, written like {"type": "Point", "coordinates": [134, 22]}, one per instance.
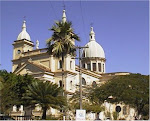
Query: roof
{"type": "Point", "coordinates": [39, 65]}
{"type": "Point", "coordinates": [94, 49]}
{"type": "Point", "coordinates": [88, 72]}
{"type": "Point", "coordinates": [24, 34]}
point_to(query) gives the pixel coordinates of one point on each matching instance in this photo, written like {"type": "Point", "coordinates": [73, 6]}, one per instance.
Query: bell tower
{"type": "Point", "coordinates": [23, 43]}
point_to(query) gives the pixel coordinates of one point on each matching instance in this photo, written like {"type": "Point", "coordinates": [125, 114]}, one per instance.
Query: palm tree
{"type": "Point", "coordinates": [62, 41]}
{"type": "Point", "coordinates": [46, 94]}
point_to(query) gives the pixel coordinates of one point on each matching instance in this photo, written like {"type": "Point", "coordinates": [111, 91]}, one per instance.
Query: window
{"type": "Point", "coordinates": [83, 81]}
{"type": "Point", "coordinates": [70, 85]}
{"type": "Point", "coordinates": [60, 64]}
{"type": "Point", "coordinates": [70, 64]}
{"type": "Point", "coordinates": [94, 84]}
{"type": "Point", "coordinates": [60, 83]}
{"type": "Point", "coordinates": [89, 66]}
{"type": "Point", "coordinates": [103, 67]}
{"type": "Point", "coordinates": [99, 67]}
{"type": "Point", "coordinates": [83, 54]}
{"type": "Point", "coordinates": [19, 51]}
{"type": "Point", "coordinates": [83, 65]}
{"type": "Point", "coordinates": [91, 37]}
{"type": "Point", "coordinates": [94, 66]}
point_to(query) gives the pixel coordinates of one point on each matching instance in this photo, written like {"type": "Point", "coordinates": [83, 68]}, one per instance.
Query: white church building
{"type": "Point", "coordinates": [38, 63]}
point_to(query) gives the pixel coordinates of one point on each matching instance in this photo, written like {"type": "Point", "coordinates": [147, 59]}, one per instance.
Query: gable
{"type": "Point", "coordinates": [28, 68]}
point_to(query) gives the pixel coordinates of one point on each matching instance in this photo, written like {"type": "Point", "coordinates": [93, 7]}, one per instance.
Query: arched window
{"type": "Point", "coordinates": [60, 64]}
{"type": "Point", "coordinates": [103, 67]}
{"type": "Point", "coordinates": [60, 83]}
{"type": "Point", "coordinates": [99, 67]}
{"type": "Point", "coordinates": [83, 81]}
{"type": "Point", "coordinates": [94, 66]}
{"type": "Point", "coordinates": [94, 84]}
{"type": "Point", "coordinates": [19, 51]}
{"type": "Point", "coordinates": [89, 66]}
{"type": "Point", "coordinates": [83, 53]}
{"type": "Point", "coordinates": [83, 65]}
{"type": "Point", "coordinates": [70, 85]}
{"type": "Point", "coordinates": [70, 64]}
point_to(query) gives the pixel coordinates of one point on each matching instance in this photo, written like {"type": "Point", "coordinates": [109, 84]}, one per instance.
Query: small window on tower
{"type": "Point", "coordinates": [60, 83]}
{"type": "Point", "coordinates": [91, 37]}
{"type": "Point", "coordinates": [83, 54]}
{"type": "Point", "coordinates": [94, 66]}
{"type": "Point", "coordinates": [60, 64]}
{"type": "Point", "coordinates": [70, 85]}
{"type": "Point", "coordinates": [83, 65]}
{"type": "Point", "coordinates": [99, 67]}
{"type": "Point", "coordinates": [19, 51]}
{"type": "Point", "coordinates": [89, 66]}
{"type": "Point", "coordinates": [103, 67]}
{"type": "Point", "coordinates": [70, 64]}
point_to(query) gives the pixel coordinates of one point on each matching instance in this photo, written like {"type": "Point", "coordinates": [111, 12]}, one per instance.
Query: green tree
{"type": "Point", "coordinates": [62, 41]}
{"type": "Point", "coordinates": [46, 94]}
{"type": "Point", "coordinates": [14, 86]}
{"type": "Point", "coordinates": [130, 89]}
{"type": "Point", "coordinates": [87, 104]}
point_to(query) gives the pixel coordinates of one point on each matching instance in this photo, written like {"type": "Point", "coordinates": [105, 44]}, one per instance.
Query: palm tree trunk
{"type": "Point", "coordinates": [63, 82]}
{"type": "Point", "coordinates": [44, 113]}
{"type": "Point", "coordinates": [63, 72]}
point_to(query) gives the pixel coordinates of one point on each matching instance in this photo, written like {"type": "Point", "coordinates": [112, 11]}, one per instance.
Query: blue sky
{"type": "Point", "coordinates": [121, 28]}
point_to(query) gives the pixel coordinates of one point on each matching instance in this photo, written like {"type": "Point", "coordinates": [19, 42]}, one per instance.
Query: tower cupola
{"type": "Point", "coordinates": [24, 34]}
{"type": "Point", "coordinates": [94, 55]}
{"type": "Point", "coordinates": [22, 44]}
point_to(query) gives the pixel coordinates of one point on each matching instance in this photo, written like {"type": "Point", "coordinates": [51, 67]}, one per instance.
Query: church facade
{"type": "Point", "coordinates": [38, 63]}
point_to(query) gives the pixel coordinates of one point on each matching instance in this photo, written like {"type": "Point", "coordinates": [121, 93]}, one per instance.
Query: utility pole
{"type": "Point", "coordinates": [80, 74]}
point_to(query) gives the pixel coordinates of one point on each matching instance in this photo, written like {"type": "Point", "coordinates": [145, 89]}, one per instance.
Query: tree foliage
{"type": "Point", "coordinates": [14, 86]}
{"type": "Point", "coordinates": [61, 42]}
{"type": "Point", "coordinates": [87, 104]}
{"type": "Point", "coordinates": [130, 89]}
{"type": "Point", "coordinates": [46, 94]}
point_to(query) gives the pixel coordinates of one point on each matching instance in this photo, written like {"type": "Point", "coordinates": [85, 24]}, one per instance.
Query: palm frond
{"type": "Point", "coordinates": [62, 37]}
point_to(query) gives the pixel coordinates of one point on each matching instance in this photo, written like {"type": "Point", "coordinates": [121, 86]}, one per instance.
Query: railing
{"type": "Point", "coordinates": [34, 52]}
{"type": "Point", "coordinates": [22, 118]}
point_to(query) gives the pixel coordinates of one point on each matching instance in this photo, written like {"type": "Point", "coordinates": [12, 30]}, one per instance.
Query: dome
{"type": "Point", "coordinates": [94, 49]}
{"type": "Point", "coordinates": [24, 34]}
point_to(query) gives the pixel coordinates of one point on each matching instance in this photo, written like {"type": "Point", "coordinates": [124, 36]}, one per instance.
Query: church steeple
{"type": "Point", "coordinates": [92, 35]}
{"type": "Point", "coordinates": [64, 18]}
{"type": "Point", "coordinates": [24, 34]}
